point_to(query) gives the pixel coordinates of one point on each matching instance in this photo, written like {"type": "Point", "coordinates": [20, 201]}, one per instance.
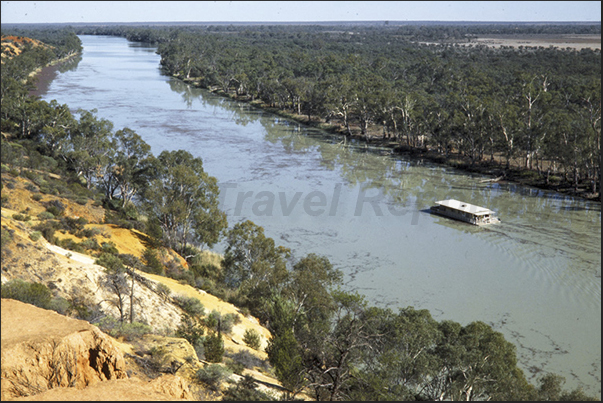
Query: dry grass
{"type": "Point", "coordinates": [12, 45]}
{"type": "Point", "coordinates": [576, 42]}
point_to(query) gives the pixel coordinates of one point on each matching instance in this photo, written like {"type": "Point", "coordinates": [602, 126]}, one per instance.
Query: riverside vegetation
{"type": "Point", "coordinates": [326, 343]}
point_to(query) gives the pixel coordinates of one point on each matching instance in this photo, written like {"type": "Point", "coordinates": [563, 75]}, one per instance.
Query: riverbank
{"type": "Point", "coordinates": [495, 168]}
{"type": "Point", "coordinates": [44, 76]}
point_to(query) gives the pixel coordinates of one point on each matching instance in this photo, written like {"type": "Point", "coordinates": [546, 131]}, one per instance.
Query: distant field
{"type": "Point", "coordinates": [575, 41]}
{"type": "Point", "coordinates": [559, 41]}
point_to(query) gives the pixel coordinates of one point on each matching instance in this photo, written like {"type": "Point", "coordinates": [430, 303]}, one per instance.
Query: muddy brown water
{"type": "Point", "coordinates": [535, 277]}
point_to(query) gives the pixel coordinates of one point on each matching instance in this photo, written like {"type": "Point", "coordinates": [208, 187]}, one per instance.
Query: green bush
{"type": "Point", "coordinates": [73, 225]}
{"type": "Point", "coordinates": [88, 232]}
{"type": "Point", "coordinates": [45, 215]}
{"type": "Point", "coordinates": [190, 329]}
{"type": "Point", "coordinates": [252, 339]}
{"type": "Point", "coordinates": [131, 260]}
{"type": "Point", "coordinates": [235, 367]}
{"type": "Point", "coordinates": [90, 243]}
{"type": "Point", "coordinates": [31, 293]}
{"type": "Point", "coordinates": [245, 391]}
{"type": "Point", "coordinates": [129, 331]}
{"type": "Point", "coordinates": [214, 347]}
{"type": "Point", "coordinates": [163, 290]}
{"type": "Point", "coordinates": [190, 305]}
{"type": "Point", "coordinates": [248, 359]}
{"type": "Point", "coordinates": [60, 305]}
{"type": "Point", "coordinates": [226, 322]}
{"type": "Point", "coordinates": [153, 265]}
{"type": "Point", "coordinates": [21, 217]}
{"type": "Point", "coordinates": [213, 375]}
{"type": "Point", "coordinates": [110, 261]}
{"type": "Point", "coordinates": [70, 244]}
{"type": "Point", "coordinates": [109, 248]}
{"type": "Point", "coordinates": [6, 237]}
{"type": "Point", "coordinates": [55, 207]}
{"type": "Point", "coordinates": [34, 236]}
{"type": "Point", "coordinates": [48, 228]}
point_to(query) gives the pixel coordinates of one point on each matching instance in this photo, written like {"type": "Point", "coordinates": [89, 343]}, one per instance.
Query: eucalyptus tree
{"type": "Point", "coordinates": [183, 198]}
{"type": "Point", "coordinates": [254, 264]}
{"type": "Point", "coordinates": [401, 358]}
{"type": "Point", "coordinates": [132, 166]}
{"type": "Point", "coordinates": [476, 363]}
{"type": "Point", "coordinates": [533, 92]}
{"type": "Point", "coordinates": [590, 113]}
{"type": "Point", "coordinates": [91, 147]}
{"type": "Point", "coordinates": [59, 122]}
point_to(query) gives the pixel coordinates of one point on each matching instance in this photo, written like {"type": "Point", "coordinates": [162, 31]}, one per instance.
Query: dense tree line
{"type": "Point", "coordinates": [540, 107]}
{"type": "Point", "coordinates": [179, 196]}
{"type": "Point", "coordinates": [326, 342]}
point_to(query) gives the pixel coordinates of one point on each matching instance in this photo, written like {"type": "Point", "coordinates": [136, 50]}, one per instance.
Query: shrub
{"type": "Point", "coordinates": [45, 215]}
{"type": "Point", "coordinates": [248, 359]}
{"type": "Point", "coordinates": [6, 237]}
{"type": "Point", "coordinates": [82, 305]}
{"type": "Point", "coordinates": [152, 263]}
{"type": "Point", "coordinates": [213, 375]}
{"type": "Point", "coordinates": [34, 236]}
{"type": "Point", "coordinates": [70, 244]}
{"type": "Point", "coordinates": [21, 217]}
{"type": "Point", "coordinates": [55, 207]}
{"type": "Point", "coordinates": [252, 339]}
{"type": "Point", "coordinates": [90, 243]}
{"type": "Point", "coordinates": [158, 357]}
{"type": "Point", "coordinates": [131, 331]}
{"type": "Point", "coordinates": [73, 225]}
{"type": "Point", "coordinates": [48, 228]}
{"type": "Point", "coordinates": [109, 261]}
{"type": "Point", "coordinates": [36, 196]}
{"type": "Point", "coordinates": [130, 260]}
{"type": "Point", "coordinates": [235, 367]}
{"type": "Point", "coordinates": [31, 293]}
{"type": "Point", "coordinates": [163, 290]}
{"type": "Point", "coordinates": [183, 276]}
{"type": "Point", "coordinates": [225, 322]}
{"type": "Point", "coordinates": [214, 347]}
{"type": "Point", "coordinates": [89, 232]}
{"type": "Point", "coordinates": [190, 305]}
{"type": "Point", "coordinates": [246, 390]}
{"type": "Point", "coordinates": [190, 329]}
{"type": "Point", "coordinates": [60, 305]}
{"type": "Point", "coordinates": [109, 248]}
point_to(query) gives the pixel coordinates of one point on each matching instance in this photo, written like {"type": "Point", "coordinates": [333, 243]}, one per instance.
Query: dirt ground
{"type": "Point", "coordinates": [576, 42]}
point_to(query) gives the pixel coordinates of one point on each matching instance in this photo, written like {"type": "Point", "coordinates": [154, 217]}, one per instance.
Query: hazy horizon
{"type": "Point", "coordinates": [299, 12]}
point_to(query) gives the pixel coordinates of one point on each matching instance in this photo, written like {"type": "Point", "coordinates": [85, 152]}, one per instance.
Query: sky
{"type": "Point", "coordinates": [297, 11]}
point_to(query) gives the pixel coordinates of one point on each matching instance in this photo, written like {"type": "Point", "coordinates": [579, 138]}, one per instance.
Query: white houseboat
{"type": "Point", "coordinates": [466, 212]}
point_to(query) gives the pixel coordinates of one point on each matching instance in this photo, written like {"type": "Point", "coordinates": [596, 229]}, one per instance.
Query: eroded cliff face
{"type": "Point", "coordinates": [42, 350]}
{"type": "Point", "coordinates": [48, 356]}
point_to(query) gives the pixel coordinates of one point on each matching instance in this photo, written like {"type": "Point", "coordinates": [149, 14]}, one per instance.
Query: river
{"type": "Point", "coordinates": [535, 277]}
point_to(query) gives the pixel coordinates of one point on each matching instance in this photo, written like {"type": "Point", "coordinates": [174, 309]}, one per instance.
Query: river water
{"type": "Point", "coordinates": [535, 277]}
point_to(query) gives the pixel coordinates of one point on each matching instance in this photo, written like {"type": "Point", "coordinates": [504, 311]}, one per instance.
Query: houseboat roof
{"type": "Point", "coordinates": [464, 207]}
